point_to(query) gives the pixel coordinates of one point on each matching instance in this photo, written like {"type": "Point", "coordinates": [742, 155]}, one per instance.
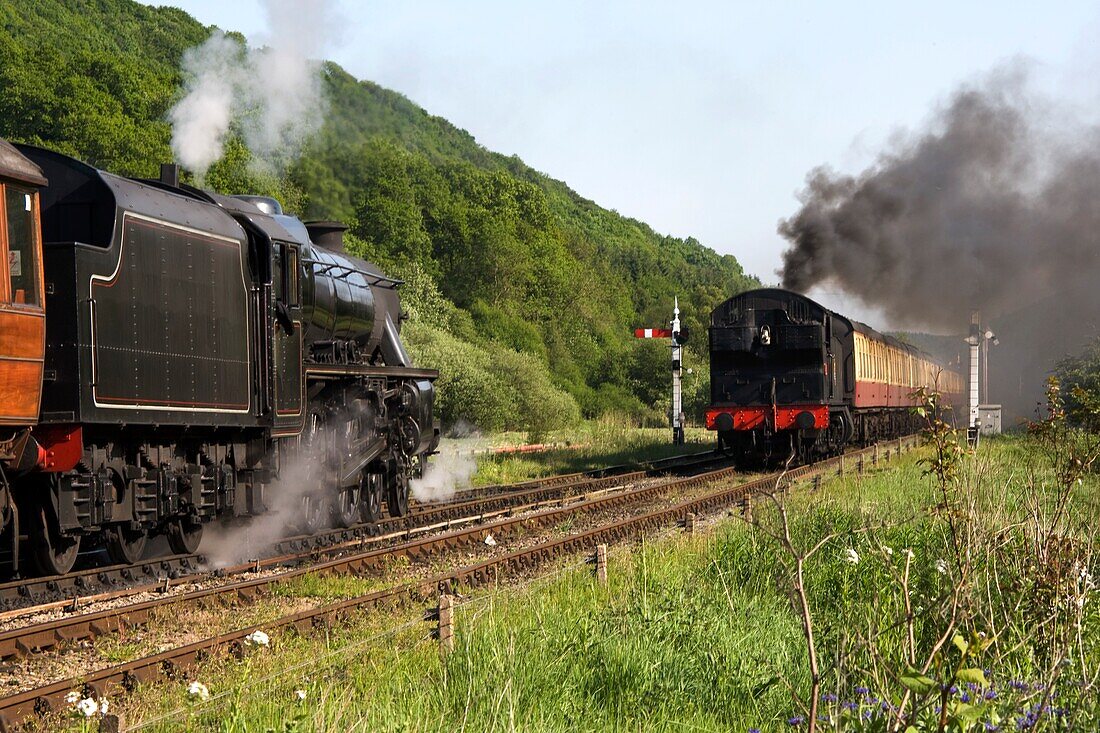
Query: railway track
{"type": "Point", "coordinates": [113, 581]}
{"type": "Point", "coordinates": [50, 698]}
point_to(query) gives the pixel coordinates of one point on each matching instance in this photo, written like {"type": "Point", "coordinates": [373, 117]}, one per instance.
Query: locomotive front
{"type": "Point", "coordinates": [774, 374]}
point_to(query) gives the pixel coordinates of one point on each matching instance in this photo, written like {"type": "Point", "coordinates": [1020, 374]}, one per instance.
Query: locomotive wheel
{"type": "Point", "coordinates": [397, 494]}
{"type": "Point", "coordinates": [370, 497]}
{"type": "Point", "coordinates": [125, 546]}
{"type": "Point", "coordinates": [184, 535]}
{"type": "Point", "coordinates": [345, 508]}
{"type": "Point", "coordinates": [313, 515]}
{"type": "Point", "coordinates": [52, 553]}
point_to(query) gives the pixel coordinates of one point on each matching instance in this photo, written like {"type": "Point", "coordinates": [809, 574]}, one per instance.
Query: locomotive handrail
{"type": "Point", "coordinates": [376, 278]}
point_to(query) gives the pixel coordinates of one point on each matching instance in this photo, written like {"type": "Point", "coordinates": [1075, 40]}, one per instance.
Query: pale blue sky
{"type": "Point", "coordinates": [700, 118]}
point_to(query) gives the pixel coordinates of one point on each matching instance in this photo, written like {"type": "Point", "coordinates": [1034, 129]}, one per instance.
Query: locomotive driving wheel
{"type": "Point", "coordinates": [397, 488]}
{"type": "Point", "coordinates": [52, 553]}
{"type": "Point", "coordinates": [345, 507]}
{"type": "Point", "coordinates": [313, 514]}
{"type": "Point", "coordinates": [370, 496]}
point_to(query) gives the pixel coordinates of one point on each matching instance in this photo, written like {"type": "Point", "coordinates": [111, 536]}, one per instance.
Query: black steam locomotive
{"type": "Point", "coordinates": [202, 357]}
{"type": "Point", "coordinates": [787, 375]}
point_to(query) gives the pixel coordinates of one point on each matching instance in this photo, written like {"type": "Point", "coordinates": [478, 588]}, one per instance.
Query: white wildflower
{"type": "Point", "coordinates": [199, 690]}
{"type": "Point", "coordinates": [887, 550]}
{"type": "Point", "coordinates": [258, 638]}
{"type": "Point", "coordinates": [941, 566]}
{"type": "Point", "coordinates": [490, 541]}
{"type": "Point", "coordinates": [909, 553]}
{"type": "Point", "coordinates": [103, 706]}
{"type": "Point", "coordinates": [73, 697]}
{"type": "Point", "coordinates": [851, 556]}
{"type": "Point", "coordinates": [87, 707]}
{"type": "Point", "coordinates": [300, 694]}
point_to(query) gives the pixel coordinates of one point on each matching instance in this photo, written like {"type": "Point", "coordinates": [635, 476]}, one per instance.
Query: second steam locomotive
{"type": "Point", "coordinates": [789, 376]}
{"type": "Point", "coordinates": [170, 357]}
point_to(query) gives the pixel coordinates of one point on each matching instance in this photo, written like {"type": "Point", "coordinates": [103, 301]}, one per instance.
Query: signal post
{"type": "Point", "coordinates": [677, 336]}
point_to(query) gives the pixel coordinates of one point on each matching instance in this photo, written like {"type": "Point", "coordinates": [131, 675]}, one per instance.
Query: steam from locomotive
{"type": "Point", "coordinates": [981, 210]}
{"type": "Point", "coordinates": [274, 95]}
{"type": "Point", "coordinates": [986, 209]}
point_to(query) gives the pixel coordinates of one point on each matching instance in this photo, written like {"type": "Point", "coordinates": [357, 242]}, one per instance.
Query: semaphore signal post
{"type": "Point", "coordinates": [677, 336]}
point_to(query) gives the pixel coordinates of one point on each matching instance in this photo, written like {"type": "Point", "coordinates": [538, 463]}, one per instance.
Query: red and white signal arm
{"type": "Point", "coordinates": [653, 333]}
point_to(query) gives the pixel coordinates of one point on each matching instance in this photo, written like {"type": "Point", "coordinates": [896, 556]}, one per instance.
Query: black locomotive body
{"type": "Point", "coordinates": [789, 375]}
{"type": "Point", "coordinates": [205, 358]}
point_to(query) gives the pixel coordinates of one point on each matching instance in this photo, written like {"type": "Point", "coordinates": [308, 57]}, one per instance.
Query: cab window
{"type": "Point", "coordinates": [292, 288]}
{"type": "Point", "coordinates": [277, 280]}
{"type": "Point", "coordinates": [22, 236]}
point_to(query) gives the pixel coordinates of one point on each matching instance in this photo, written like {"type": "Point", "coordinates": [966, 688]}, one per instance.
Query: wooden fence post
{"type": "Point", "coordinates": [446, 624]}
{"type": "Point", "coordinates": [840, 466]}
{"type": "Point", "coordinates": [689, 524]}
{"type": "Point", "coordinates": [601, 564]}
{"type": "Point", "coordinates": [860, 464]}
{"type": "Point", "coordinates": [874, 455]}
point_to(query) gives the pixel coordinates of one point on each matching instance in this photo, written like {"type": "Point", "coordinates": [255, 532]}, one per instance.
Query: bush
{"type": "Point", "coordinates": [493, 388]}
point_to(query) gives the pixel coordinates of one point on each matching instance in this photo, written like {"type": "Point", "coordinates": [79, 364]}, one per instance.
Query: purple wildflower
{"type": "Point", "coordinates": [796, 720]}
{"type": "Point", "coordinates": [829, 697]}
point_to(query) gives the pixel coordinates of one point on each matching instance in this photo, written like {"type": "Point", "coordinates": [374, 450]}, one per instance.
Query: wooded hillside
{"type": "Point", "coordinates": [522, 291]}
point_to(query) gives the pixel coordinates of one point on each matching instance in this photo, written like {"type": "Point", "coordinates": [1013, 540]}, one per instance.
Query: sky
{"type": "Point", "coordinates": [700, 118]}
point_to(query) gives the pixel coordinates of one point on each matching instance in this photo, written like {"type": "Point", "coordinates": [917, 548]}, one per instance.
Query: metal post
{"type": "Point", "coordinates": [677, 370]}
{"type": "Point", "coordinates": [974, 340]}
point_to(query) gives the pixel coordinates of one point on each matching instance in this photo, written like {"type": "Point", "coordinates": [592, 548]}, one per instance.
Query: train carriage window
{"type": "Point", "coordinates": [22, 236]}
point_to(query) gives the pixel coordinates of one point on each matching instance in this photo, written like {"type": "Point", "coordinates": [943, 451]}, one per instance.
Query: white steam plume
{"type": "Point", "coordinates": [274, 95]}
{"type": "Point", "coordinates": [447, 472]}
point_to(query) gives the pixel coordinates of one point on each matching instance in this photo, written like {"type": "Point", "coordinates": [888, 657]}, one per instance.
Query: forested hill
{"type": "Point", "coordinates": [523, 291]}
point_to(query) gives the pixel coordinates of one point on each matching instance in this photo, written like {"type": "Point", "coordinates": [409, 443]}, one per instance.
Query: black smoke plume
{"type": "Point", "coordinates": [994, 206]}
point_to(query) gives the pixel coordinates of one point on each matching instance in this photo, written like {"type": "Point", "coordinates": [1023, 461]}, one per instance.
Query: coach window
{"type": "Point", "coordinates": [22, 236]}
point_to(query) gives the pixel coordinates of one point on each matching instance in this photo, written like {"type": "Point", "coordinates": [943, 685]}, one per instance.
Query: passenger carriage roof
{"type": "Point", "coordinates": [14, 164]}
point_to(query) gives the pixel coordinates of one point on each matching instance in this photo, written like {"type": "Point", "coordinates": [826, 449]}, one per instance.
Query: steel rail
{"type": "Point", "coordinates": [105, 582]}
{"type": "Point", "coordinates": [50, 698]}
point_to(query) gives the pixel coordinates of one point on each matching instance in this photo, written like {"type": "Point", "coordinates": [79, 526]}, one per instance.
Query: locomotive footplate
{"type": "Point", "coordinates": [335, 371]}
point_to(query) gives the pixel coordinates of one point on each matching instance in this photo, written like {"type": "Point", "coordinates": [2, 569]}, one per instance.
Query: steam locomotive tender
{"type": "Point", "coordinates": [787, 375]}
{"type": "Point", "coordinates": [171, 356]}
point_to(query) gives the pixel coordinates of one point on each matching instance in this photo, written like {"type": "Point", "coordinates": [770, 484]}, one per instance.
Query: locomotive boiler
{"type": "Point", "coordinates": [790, 376]}
{"type": "Point", "coordinates": [171, 357]}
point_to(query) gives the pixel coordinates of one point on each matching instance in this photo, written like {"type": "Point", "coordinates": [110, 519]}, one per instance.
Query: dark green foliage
{"type": "Point", "coordinates": [500, 258]}
{"type": "Point", "coordinates": [1079, 381]}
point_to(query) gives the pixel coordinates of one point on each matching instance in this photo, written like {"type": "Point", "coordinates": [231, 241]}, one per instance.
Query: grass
{"type": "Point", "coordinates": [691, 633]}
{"type": "Point", "coordinates": [596, 444]}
